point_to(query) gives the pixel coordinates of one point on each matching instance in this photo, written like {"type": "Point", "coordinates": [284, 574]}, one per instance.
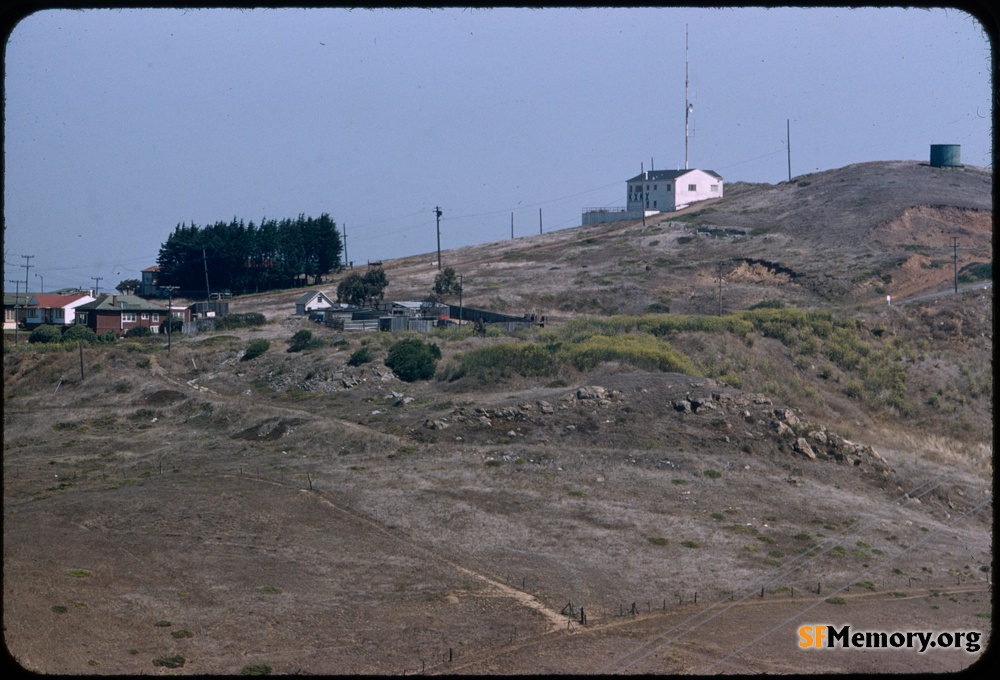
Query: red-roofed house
{"type": "Point", "coordinates": [54, 308]}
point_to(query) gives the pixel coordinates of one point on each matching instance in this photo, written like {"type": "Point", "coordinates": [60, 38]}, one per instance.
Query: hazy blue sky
{"type": "Point", "coordinates": [121, 124]}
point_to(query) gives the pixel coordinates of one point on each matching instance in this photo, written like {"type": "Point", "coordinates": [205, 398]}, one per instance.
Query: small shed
{"type": "Point", "coordinates": [313, 301]}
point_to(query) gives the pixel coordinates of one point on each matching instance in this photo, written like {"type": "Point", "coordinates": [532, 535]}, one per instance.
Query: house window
{"type": "Point", "coordinates": [654, 187]}
{"type": "Point", "coordinates": [156, 317]}
{"type": "Point", "coordinates": [692, 187]}
{"type": "Point", "coordinates": [57, 313]}
{"type": "Point", "coordinates": [128, 317]}
{"type": "Point", "coordinates": [668, 187]}
{"type": "Point", "coordinates": [715, 188]}
{"type": "Point", "coordinates": [654, 204]}
{"type": "Point", "coordinates": [81, 318]}
{"type": "Point", "coordinates": [145, 316]}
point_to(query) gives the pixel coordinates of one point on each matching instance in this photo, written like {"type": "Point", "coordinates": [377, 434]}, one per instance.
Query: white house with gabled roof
{"type": "Point", "coordinates": [656, 191]}
{"type": "Point", "coordinates": [670, 190]}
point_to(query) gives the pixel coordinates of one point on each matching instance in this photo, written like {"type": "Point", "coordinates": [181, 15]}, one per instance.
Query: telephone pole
{"type": "Point", "coordinates": [788, 135]}
{"type": "Point", "coordinates": [17, 296]}
{"type": "Point", "coordinates": [512, 226]}
{"type": "Point", "coordinates": [720, 289]}
{"type": "Point", "coordinates": [954, 245]}
{"type": "Point", "coordinates": [204, 259]}
{"type": "Point", "coordinates": [97, 284]}
{"type": "Point", "coordinates": [539, 221]}
{"type": "Point", "coordinates": [345, 245]}
{"type": "Point", "coordinates": [27, 267]}
{"type": "Point", "coordinates": [437, 213]}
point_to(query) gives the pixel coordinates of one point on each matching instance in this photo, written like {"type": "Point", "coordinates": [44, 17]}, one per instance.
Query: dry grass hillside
{"type": "Point", "coordinates": [700, 466]}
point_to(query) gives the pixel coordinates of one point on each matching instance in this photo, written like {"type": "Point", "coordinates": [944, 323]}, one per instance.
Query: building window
{"type": "Point", "coordinates": [668, 187]}
{"type": "Point", "coordinates": [654, 187]}
{"type": "Point", "coordinates": [654, 204]}
{"type": "Point", "coordinates": [128, 317]}
{"type": "Point", "coordinates": [156, 317]}
{"type": "Point", "coordinates": [81, 318]}
{"type": "Point", "coordinates": [145, 316]}
{"type": "Point", "coordinates": [715, 188]}
{"type": "Point", "coordinates": [692, 187]}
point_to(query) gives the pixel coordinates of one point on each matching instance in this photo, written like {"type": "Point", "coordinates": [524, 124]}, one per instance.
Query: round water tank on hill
{"type": "Point", "coordinates": [946, 155]}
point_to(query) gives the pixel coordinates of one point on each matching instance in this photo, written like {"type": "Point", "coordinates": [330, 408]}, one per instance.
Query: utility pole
{"type": "Point", "coordinates": [17, 296]}
{"type": "Point", "coordinates": [97, 284]}
{"type": "Point", "coordinates": [204, 259]}
{"type": "Point", "coordinates": [437, 213]}
{"type": "Point", "coordinates": [954, 245]}
{"type": "Point", "coordinates": [512, 226]}
{"type": "Point", "coordinates": [720, 289]}
{"type": "Point", "coordinates": [788, 136]}
{"type": "Point", "coordinates": [27, 267]}
{"type": "Point", "coordinates": [170, 313]}
{"type": "Point", "coordinates": [539, 221]}
{"type": "Point", "coordinates": [42, 278]}
{"type": "Point", "coordinates": [345, 245]}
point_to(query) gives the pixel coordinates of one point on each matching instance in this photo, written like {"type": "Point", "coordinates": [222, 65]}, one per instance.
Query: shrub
{"type": "Point", "coordinates": [360, 356]}
{"type": "Point", "coordinates": [304, 340]}
{"type": "Point", "coordinates": [169, 661]}
{"type": "Point", "coordinates": [79, 333]}
{"type": "Point", "coordinates": [45, 333]}
{"type": "Point", "coordinates": [138, 332]}
{"type": "Point", "coordinates": [255, 348]}
{"type": "Point", "coordinates": [107, 338]}
{"type": "Point", "coordinates": [412, 359]}
{"type": "Point", "coordinates": [245, 320]}
{"type": "Point", "coordinates": [256, 669]}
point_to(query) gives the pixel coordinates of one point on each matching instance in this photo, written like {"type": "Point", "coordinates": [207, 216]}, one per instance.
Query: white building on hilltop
{"type": "Point", "coordinates": [656, 191]}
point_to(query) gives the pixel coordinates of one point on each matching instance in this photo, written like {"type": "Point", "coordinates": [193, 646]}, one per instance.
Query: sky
{"type": "Point", "coordinates": [121, 124]}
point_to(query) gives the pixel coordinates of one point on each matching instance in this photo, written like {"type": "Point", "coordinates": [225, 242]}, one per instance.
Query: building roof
{"type": "Point", "coordinates": [11, 299]}
{"type": "Point", "coordinates": [311, 295]}
{"type": "Point", "coordinates": [55, 300]}
{"type": "Point", "coordinates": [668, 175]}
{"type": "Point", "coordinates": [154, 268]}
{"type": "Point", "coordinates": [116, 302]}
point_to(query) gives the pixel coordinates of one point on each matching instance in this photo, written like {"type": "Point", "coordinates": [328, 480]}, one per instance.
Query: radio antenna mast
{"type": "Point", "coordinates": [687, 100]}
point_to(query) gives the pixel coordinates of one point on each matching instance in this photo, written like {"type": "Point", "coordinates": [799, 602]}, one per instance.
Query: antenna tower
{"type": "Point", "coordinates": [687, 100]}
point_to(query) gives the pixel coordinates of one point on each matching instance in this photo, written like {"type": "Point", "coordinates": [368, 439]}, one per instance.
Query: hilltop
{"type": "Point", "coordinates": [653, 449]}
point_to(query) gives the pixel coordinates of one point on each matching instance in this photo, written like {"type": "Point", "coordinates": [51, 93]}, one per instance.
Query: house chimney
{"type": "Point", "coordinates": [114, 300]}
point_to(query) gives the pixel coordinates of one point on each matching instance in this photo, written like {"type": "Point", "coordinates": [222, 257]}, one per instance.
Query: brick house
{"type": "Point", "coordinates": [121, 313]}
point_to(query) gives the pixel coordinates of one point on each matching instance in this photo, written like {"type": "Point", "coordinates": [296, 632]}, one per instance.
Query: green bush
{"type": "Point", "coordinates": [303, 340]}
{"type": "Point", "coordinates": [360, 356]}
{"type": "Point", "coordinates": [245, 320]}
{"type": "Point", "coordinates": [255, 348]}
{"type": "Point", "coordinates": [45, 333]}
{"type": "Point", "coordinates": [79, 333]}
{"type": "Point", "coordinates": [412, 359]}
{"type": "Point", "coordinates": [256, 669]}
{"type": "Point", "coordinates": [107, 338]}
{"type": "Point", "coordinates": [138, 332]}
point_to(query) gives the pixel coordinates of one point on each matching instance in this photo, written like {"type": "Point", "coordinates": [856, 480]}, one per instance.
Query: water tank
{"type": "Point", "coordinates": [946, 155]}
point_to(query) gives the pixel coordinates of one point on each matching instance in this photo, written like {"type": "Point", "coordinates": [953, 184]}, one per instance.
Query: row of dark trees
{"type": "Point", "coordinates": [246, 258]}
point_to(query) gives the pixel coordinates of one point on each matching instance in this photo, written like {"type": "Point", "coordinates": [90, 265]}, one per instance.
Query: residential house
{"type": "Point", "coordinates": [149, 284]}
{"type": "Point", "coordinates": [57, 309]}
{"type": "Point", "coordinates": [120, 313]}
{"type": "Point", "coordinates": [14, 309]}
{"type": "Point", "coordinates": [312, 301]}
